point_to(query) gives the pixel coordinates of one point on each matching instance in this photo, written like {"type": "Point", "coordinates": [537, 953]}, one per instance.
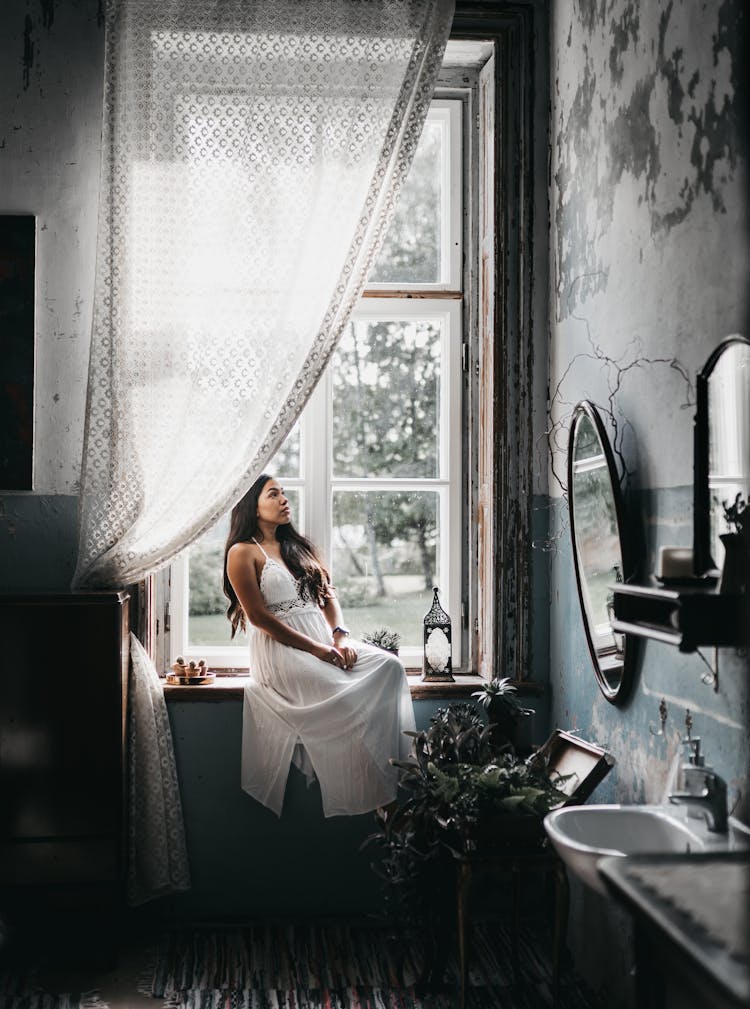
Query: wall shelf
{"type": "Point", "coordinates": [687, 616]}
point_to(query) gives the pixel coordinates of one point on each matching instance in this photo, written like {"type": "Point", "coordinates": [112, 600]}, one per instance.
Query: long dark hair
{"type": "Point", "coordinates": [297, 552]}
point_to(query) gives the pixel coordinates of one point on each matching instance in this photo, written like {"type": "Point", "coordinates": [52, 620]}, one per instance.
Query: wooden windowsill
{"type": "Point", "coordinates": [232, 688]}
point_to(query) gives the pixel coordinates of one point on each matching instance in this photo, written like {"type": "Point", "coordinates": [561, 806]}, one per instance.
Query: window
{"type": "Point", "coordinates": [378, 464]}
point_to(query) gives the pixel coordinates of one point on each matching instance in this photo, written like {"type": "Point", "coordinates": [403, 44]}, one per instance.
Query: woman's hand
{"type": "Point", "coordinates": [329, 653]}
{"type": "Point", "coordinates": [349, 654]}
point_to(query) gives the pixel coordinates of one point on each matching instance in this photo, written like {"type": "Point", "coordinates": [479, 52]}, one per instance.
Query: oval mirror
{"type": "Point", "coordinates": [721, 466]}
{"type": "Point", "coordinates": [595, 503]}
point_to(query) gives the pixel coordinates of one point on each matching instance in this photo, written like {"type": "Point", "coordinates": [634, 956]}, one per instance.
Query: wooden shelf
{"type": "Point", "coordinates": [686, 616]}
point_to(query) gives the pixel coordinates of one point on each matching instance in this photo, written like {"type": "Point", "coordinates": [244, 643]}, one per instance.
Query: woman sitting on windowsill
{"type": "Point", "coordinates": [336, 708]}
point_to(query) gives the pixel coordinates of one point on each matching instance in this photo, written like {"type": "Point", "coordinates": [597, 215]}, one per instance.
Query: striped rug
{"type": "Point", "coordinates": [18, 993]}
{"type": "Point", "coordinates": [340, 966]}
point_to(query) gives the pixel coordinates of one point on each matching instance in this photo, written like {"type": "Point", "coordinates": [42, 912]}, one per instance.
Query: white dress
{"type": "Point", "coordinates": [341, 726]}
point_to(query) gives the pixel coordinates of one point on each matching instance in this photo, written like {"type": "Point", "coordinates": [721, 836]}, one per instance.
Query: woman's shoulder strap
{"type": "Point", "coordinates": [259, 546]}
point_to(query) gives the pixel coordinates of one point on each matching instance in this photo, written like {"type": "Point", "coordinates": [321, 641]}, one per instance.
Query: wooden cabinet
{"type": "Point", "coordinates": [63, 706]}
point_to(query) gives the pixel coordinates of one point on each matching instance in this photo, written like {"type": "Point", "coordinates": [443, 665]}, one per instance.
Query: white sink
{"type": "Point", "coordinates": [584, 834]}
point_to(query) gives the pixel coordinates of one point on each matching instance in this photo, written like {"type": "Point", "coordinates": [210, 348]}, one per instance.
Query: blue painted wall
{"type": "Point", "coordinates": [650, 262]}
{"type": "Point", "coordinates": [246, 862]}
{"type": "Point", "coordinates": [38, 541]}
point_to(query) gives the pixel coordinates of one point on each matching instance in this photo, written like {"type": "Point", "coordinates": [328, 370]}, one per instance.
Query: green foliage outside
{"type": "Point", "coordinates": [386, 379]}
{"type": "Point", "coordinates": [411, 251]}
{"type": "Point", "coordinates": [206, 594]}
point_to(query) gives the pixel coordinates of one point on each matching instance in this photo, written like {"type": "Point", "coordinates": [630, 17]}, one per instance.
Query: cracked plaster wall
{"type": "Point", "coordinates": [51, 71]}
{"type": "Point", "coordinates": [649, 269]}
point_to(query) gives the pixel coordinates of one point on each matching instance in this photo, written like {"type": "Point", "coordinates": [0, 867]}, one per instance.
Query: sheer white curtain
{"type": "Point", "coordinates": [252, 153]}
{"type": "Point", "coordinates": [157, 852]}
{"type": "Point", "coordinates": [252, 156]}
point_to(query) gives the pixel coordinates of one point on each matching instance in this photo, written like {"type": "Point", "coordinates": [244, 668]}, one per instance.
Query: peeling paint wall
{"type": "Point", "coordinates": [51, 67]}
{"type": "Point", "coordinates": [649, 270]}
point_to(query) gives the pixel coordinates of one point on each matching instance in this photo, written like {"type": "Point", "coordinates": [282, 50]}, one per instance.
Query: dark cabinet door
{"type": "Point", "coordinates": [63, 686]}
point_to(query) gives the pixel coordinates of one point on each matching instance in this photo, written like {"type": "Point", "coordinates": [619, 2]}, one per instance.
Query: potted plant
{"type": "Point", "coordinates": [385, 638]}
{"type": "Point", "coordinates": [735, 574]}
{"type": "Point", "coordinates": [499, 698]}
{"type": "Point", "coordinates": [461, 792]}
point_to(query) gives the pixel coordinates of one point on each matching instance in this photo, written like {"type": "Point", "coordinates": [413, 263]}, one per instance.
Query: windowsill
{"type": "Point", "coordinates": [232, 688]}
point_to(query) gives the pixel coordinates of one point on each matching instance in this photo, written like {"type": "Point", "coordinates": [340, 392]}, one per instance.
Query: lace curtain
{"type": "Point", "coordinates": [252, 155]}
{"type": "Point", "coordinates": [157, 852]}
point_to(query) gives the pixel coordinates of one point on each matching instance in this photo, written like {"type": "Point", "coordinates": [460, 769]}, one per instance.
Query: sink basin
{"type": "Point", "coordinates": [584, 834]}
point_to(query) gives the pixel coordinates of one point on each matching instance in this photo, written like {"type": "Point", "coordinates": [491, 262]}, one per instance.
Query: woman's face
{"type": "Point", "coordinates": [273, 505]}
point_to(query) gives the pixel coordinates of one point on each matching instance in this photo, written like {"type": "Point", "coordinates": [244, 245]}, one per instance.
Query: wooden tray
{"type": "Point", "coordinates": [176, 680]}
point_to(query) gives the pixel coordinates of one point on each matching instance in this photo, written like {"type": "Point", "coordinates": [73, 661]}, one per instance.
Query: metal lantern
{"type": "Point", "coordinates": [436, 667]}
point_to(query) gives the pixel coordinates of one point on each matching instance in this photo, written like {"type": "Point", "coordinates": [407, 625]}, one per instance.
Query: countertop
{"type": "Point", "coordinates": [699, 903]}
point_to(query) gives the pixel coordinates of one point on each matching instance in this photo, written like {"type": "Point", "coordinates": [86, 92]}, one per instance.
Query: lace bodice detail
{"type": "Point", "coordinates": [281, 592]}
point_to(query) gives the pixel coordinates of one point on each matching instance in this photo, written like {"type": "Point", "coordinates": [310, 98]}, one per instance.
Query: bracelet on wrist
{"type": "Point", "coordinates": [340, 630]}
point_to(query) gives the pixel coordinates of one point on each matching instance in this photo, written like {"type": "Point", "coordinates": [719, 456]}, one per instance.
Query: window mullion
{"type": "Point", "coordinates": [317, 462]}
{"type": "Point", "coordinates": [452, 428]}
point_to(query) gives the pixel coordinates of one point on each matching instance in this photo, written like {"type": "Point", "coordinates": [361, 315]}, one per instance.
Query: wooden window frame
{"type": "Point", "coordinates": [501, 362]}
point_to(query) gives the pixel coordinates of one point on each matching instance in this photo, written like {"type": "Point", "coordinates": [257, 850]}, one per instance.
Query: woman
{"type": "Point", "coordinates": [335, 707]}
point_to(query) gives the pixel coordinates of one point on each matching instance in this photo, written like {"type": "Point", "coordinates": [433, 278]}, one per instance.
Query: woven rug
{"type": "Point", "coordinates": [23, 993]}
{"type": "Point", "coordinates": [20, 988]}
{"type": "Point", "coordinates": [339, 966]}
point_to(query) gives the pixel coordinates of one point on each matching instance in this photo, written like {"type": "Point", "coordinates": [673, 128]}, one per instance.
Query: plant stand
{"type": "Point", "coordinates": [515, 861]}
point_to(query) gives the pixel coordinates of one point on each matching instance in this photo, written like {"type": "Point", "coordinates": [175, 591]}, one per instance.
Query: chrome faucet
{"type": "Point", "coordinates": [705, 792]}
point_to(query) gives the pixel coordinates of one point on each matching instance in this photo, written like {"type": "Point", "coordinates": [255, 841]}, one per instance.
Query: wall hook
{"type": "Point", "coordinates": [662, 719]}
{"type": "Point", "coordinates": [688, 726]}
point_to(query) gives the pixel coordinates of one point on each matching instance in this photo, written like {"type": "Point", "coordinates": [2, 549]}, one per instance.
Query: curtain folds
{"type": "Point", "coordinates": [157, 853]}
{"type": "Point", "coordinates": [252, 153]}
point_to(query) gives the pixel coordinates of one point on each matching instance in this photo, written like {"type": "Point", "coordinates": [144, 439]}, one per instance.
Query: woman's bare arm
{"type": "Point", "coordinates": [243, 576]}
{"type": "Point", "coordinates": [335, 618]}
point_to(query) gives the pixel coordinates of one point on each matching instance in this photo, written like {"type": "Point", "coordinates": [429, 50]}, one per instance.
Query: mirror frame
{"type": "Point", "coordinates": [615, 695]}
{"type": "Point", "coordinates": [703, 562]}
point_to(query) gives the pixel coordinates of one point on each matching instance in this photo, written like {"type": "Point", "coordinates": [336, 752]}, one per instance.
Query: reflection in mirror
{"type": "Point", "coordinates": [722, 446]}
{"type": "Point", "coordinates": [595, 504]}
{"type": "Point", "coordinates": [728, 437]}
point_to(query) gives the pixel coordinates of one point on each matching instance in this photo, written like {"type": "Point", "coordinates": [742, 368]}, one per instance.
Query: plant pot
{"type": "Point", "coordinates": [507, 830]}
{"type": "Point", "coordinates": [518, 730]}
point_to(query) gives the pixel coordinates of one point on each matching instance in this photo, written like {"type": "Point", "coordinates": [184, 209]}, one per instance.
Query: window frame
{"type": "Point", "coordinates": [505, 92]}
{"type": "Point", "coordinates": [449, 481]}
{"type": "Point", "coordinates": [447, 113]}
{"type": "Point", "coordinates": [317, 482]}
{"type": "Point", "coordinates": [382, 301]}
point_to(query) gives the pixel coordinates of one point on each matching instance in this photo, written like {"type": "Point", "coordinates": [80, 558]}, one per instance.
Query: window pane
{"type": "Point", "coordinates": [411, 253]}
{"type": "Point", "coordinates": [386, 399]}
{"type": "Point", "coordinates": [286, 462]}
{"type": "Point", "coordinates": [385, 558]}
{"type": "Point", "coordinates": [207, 604]}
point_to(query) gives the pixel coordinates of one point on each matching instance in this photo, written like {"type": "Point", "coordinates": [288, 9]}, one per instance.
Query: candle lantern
{"type": "Point", "coordinates": [436, 666]}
